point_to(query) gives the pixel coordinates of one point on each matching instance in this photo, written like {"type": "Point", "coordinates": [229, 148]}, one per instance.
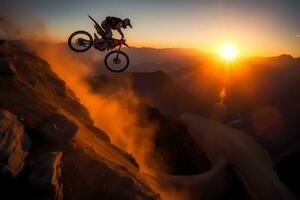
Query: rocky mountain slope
{"type": "Point", "coordinates": [49, 147]}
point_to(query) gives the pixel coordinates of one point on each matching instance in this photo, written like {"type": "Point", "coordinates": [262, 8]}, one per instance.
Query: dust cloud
{"type": "Point", "coordinates": [117, 114]}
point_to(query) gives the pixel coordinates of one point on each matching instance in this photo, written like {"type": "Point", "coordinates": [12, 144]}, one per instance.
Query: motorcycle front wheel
{"type": "Point", "coordinates": [116, 61]}
{"type": "Point", "coordinates": [80, 41]}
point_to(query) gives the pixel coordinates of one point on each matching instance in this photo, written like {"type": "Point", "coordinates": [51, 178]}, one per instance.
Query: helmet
{"type": "Point", "coordinates": [127, 22]}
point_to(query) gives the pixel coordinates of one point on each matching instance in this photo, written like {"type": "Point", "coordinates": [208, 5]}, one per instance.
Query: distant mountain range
{"type": "Point", "coordinates": [151, 59]}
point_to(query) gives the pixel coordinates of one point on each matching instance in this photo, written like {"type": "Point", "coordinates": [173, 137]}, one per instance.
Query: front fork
{"type": "Point", "coordinates": [119, 50]}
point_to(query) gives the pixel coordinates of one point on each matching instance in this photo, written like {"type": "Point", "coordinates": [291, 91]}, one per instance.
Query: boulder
{"type": "Point", "coordinates": [7, 67]}
{"type": "Point", "coordinates": [45, 177]}
{"type": "Point", "coordinates": [99, 133]}
{"type": "Point", "coordinates": [57, 129]}
{"type": "Point", "coordinates": [14, 144]}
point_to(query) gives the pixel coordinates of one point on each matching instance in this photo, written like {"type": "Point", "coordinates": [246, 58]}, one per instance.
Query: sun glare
{"type": "Point", "coordinates": [228, 52]}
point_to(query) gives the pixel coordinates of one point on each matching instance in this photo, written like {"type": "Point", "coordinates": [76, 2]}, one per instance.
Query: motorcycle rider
{"type": "Point", "coordinates": [114, 23]}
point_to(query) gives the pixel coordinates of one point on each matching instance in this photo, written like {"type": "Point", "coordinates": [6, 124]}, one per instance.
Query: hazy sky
{"type": "Point", "coordinates": [257, 27]}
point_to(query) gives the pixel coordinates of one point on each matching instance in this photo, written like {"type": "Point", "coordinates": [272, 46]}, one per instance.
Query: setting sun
{"type": "Point", "coordinates": [228, 52]}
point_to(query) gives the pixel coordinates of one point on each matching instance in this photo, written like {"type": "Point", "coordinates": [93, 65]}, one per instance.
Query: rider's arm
{"type": "Point", "coordinates": [119, 26]}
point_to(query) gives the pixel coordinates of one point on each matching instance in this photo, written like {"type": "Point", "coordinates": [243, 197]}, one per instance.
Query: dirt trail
{"type": "Point", "coordinates": [248, 159]}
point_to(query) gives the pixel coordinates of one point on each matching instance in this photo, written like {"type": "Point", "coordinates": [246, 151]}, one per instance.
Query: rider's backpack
{"type": "Point", "coordinates": [113, 21]}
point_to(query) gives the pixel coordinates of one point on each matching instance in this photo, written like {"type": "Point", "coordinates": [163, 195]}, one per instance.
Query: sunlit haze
{"type": "Point", "coordinates": [259, 28]}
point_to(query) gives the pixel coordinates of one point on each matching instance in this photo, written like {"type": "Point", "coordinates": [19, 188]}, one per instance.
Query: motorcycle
{"type": "Point", "coordinates": [115, 60]}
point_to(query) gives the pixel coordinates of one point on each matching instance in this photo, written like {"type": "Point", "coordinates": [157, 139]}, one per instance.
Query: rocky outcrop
{"type": "Point", "coordinates": [7, 68]}
{"type": "Point", "coordinates": [14, 144]}
{"type": "Point", "coordinates": [35, 92]}
{"type": "Point", "coordinates": [57, 129]}
{"type": "Point", "coordinates": [99, 133]}
{"type": "Point", "coordinates": [46, 177]}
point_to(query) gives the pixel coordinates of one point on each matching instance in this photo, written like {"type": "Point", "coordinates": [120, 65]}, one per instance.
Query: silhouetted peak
{"type": "Point", "coordinates": [285, 56]}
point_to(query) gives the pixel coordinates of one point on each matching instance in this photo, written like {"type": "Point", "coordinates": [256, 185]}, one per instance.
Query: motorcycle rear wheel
{"type": "Point", "coordinates": [87, 42]}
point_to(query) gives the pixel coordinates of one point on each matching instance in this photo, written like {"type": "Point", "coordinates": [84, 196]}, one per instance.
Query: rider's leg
{"type": "Point", "coordinates": [107, 30]}
{"type": "Point", "coordinates": [100, 31]}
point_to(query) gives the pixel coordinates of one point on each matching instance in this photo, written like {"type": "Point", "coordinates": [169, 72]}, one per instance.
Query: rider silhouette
{"type": "Point", "coordinates": [114, 23]}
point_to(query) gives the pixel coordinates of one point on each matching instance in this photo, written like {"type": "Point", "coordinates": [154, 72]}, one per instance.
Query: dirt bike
{"type": "Point", "coordinates": [115, 61]}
